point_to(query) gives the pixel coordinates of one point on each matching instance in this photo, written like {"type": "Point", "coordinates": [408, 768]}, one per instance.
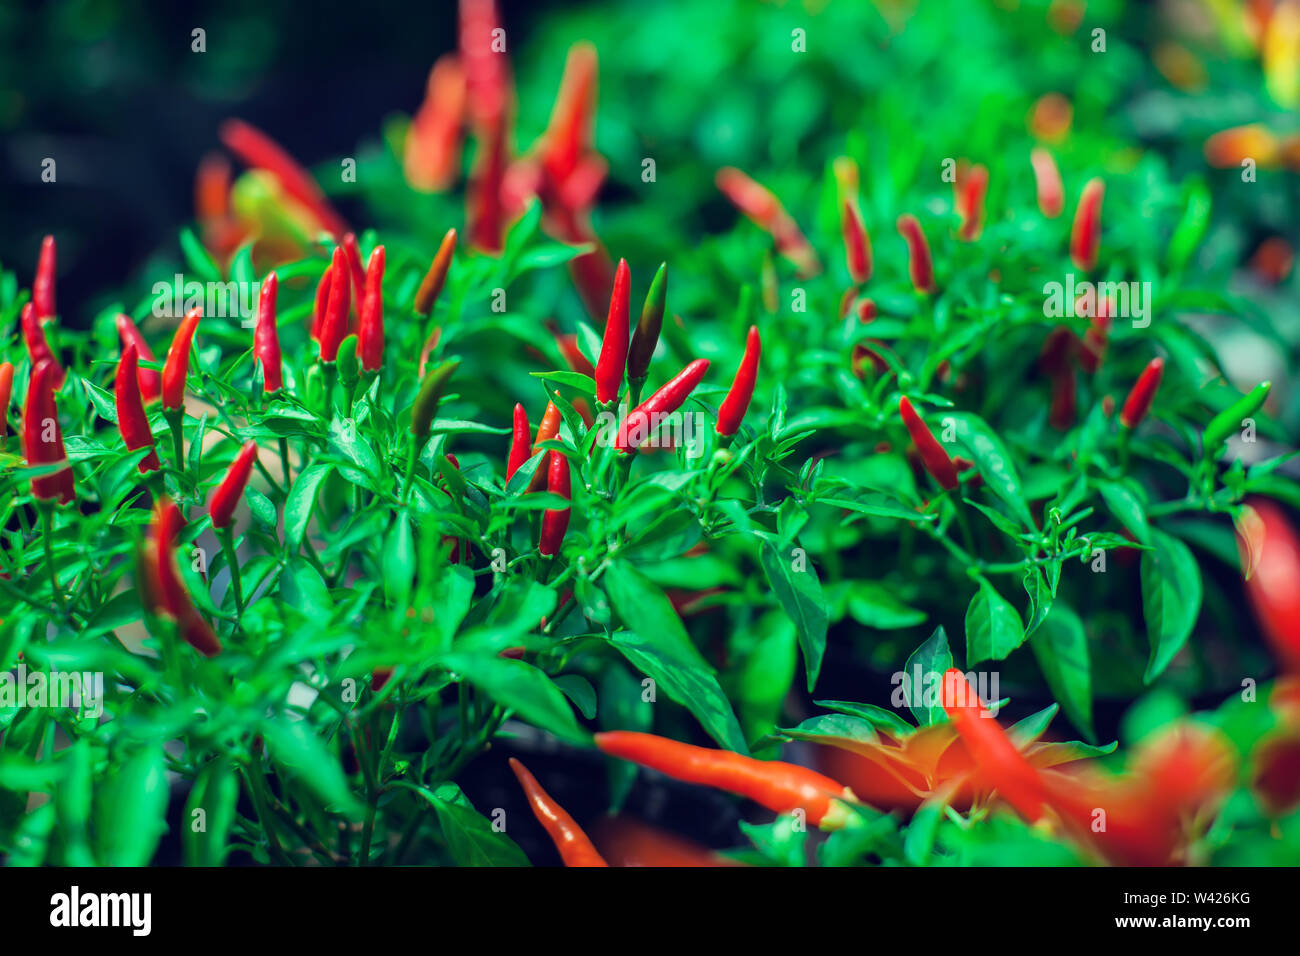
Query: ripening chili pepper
{"type": "Point", "coordinates": [762, 208]}
{"type": "Point", "coordinates": [335, 324]}
{"type": "Point", "coordinates": [1085, 234]}
{"type": "Point", "coordinates": [43, 284]}
{"type": "Point", "coordinates": [933, 455]}
{"type": "Point", "coordinates": [431, 285]}
{"type": "Point", "coordinates": [1231, 418]}
{"type": "Point", "coordinates": [1000, 765]}
{"type": "Point", "coordinates": [266, 337]}
{"type": "Point", "coordinates": [781, 787]}
{"type": "Point", "coordinates": [971, 207]}
{"type": "Point", "coordinates": [261, 152]}
{"type": "Point", "coordinates": [370, 339]}
{"type": "Point", "coordinates": [520, 442]}
{"type": "Point", "coordinates": [1095, 339]}
{"type": "Point", "coordinates": [569, 133]}
{"type": "Point", "coordinates": [613, 346]}
{"type": "Point", "coordinates": [732, 410]}
{"type": "Point", "coordinates": [646, 335]}
{"type": "Point", "coordinates": [431, 155]}
{"type": "Point", "coordinates": [226, 498]}
{"type": "Point", "coordinates": [867, 311]}
{"type": "Point", "coordinates": [1144, 390]}
{"type": "Point", "coordinates": [1228, 148]}
{"type": "Point", "coordinates": [131, 419]}
{"type": "Point", "coordinates": [150, 379]}
{"type": "Point", "coordinates": [43, 437]}
{"type": "Point", "coordinates": [547, 429]}
{"type": "Point", "coordinates": [919, 265]}
{"type": "Point", "coordinates": [642, 420]}
{"type": "Point", "coordinates": [167, 588]}
{"type": "Point", "coordinates": [857, 244]}
{"type": "Point", "coordinates": [6, 392]}
{"type": "Point", "coordinates": [320, 304]}
{"type": "Point", "coordinates": [38, 349]}
{"type": "Point", "coordinates": [555, 522]}
{"type": "Point", "coordinates": [1270, 562]}
{"type": "Point", "coordinates": [353, 254]}
{"type": "Point", "coordinates": [1064, 405]}
{"type": "Point", "coordinates": [574, 847]}
{"type": "Point", "coordinates": [430, 394]}
{"type": "Point", "coordinates": [1051, 194]}
{"type": "Point", "coordinates": [568, 345]}
{"type": "Point", "coordinates": [177, 365]}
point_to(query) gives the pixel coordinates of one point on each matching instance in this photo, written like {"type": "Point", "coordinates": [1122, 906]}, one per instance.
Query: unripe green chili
{"type": "Point", "coordinates": [646, 335]}
{"type": "Point", "coordinates": [430, 394]}
{"type": "Point", "coordinates": [347, 361]}
{"type": "Point", "coordinates": [1229, 420]}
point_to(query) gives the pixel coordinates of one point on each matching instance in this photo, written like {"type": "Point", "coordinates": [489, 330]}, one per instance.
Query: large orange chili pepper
{"type": "Point", "coordinates": [781, 787]}
{"type": "Point", "coordinates": [547, 429]}
{"type": "Point", "coordinates": [574, 847]}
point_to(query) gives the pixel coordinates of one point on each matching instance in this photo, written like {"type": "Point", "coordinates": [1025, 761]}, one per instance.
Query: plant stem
{"type": "Point", "coordinates": [227, 538]}
{"type": "Point", "coordinates": [47, 534]}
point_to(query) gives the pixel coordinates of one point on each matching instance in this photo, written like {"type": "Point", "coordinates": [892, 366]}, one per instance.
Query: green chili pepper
{"type": "Point", "coordinates": [1229, 420]}
{"type": "Point", "coordinates": [1191, 228]}
{"type": "Point", "coordinates": [347, 362]}
{"type": "Point", "coordinates": [430, 394]}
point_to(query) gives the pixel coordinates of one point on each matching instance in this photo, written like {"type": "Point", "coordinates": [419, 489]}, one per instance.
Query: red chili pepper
{"type": "Point", "coordinates": [370, 340]}
{"type": "Point", "coordinates": [1064, 399]}
{"type": "Point", "coordinates": [321, 304]}
{"type": "Point", "coordinates": [226, 498]}
{"type": "Point", "coordinates": [1085, 235]}
{"type": "Point", "coordinates": [43, 437]}
{"type": "Point", "coordinates": [732, 410]}
{"type": "Point", "coordinates": [547, 429]}
{"type": "Point", "coordinates": [1270, 559]}
{"type": "Point", "coordinates": [431, 286]}
{"type": "Point", "coordinates": [1000, 765]}
{"type": "Point", "coordinates": [38, 349]}
{"type": "Point", "coordinates": [1051, 194]}
{"type": "Point", "coordinates": [1058, 348]}
{"type": "Point", "coordinates": [575, 849]}
{"type": "Point", "coordinates": [167, 588]}
{"type": "Point", "coordinates": [131, 419]}
{"type": "Point", "coordinates": [762, 208]}
{"type": "Point", "coordinates": [1276, 778]}
{"type": "Point", "coordinates": [150, 379]}
{"type": "Point", "coordinates": [6, 392]}
{"type": "Point", "coordinates": [613, 347]}
{"type": "Point", "coordinates": [555, 522]}
{"type": "Point", "coordinates": [177, 365]}
{"type": "Point", "coordinates": [919, 267]}
{"type": "Point", "coordinates": [627, 842]}
{"type": "Point", "coordinates": [642, 420]}
{"type": "Point", "coordinates": [260, 151]}
{"type": "Point", "coordinates": [933, 455]}
{"type": "Point", "coordinates": [781, 787]}
{"type": "Point", "coordinates": [488, 99]}
{"type": "Point", "coordinates": [1139, 399]}
{"type": "Point", "coordinates": [971, 207]}
{"type": "Point", "coordinates": [266, 337]}
{"type": "Point", "coordinates": [353, 253]}
{"type": "Point", "coordinates": [334, 327]}
{"type": "Point", "coordinates": [569, 133]}
{"type": "Point", "coordinates": [867, 311]}
{"type": "Point", "coordinates": [857, 244]}
{"type": "Point", "coordinates": [520, 442]}
{"type": "Point", "coordinates": [432, 151]}
{"type": "Point", "coordinates": [1094, 340]}
{"type": "Point", "coordinates": [43, 284]}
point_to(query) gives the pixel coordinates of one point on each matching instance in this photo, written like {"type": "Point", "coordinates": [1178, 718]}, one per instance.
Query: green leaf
{"type": "Point", "coordinates": [522, 688]}
{"type": "Point", "coordinates": [794, 581]}
{"type": "Point", "coordinates": [215, 792]}
{"type": "Point", "coordinates": [643, 607]}
{"type": "Point", "coordinates": [994, 462]}
{"type": "Point", "coordinates": [1025, 732]}
{"type": "Point", "coordinates": [470, 836]}
{"type": "Point", "coordinates": [993, 627]}
{"type": "Point", "coordinates": [880, 718]}
{"type": "Point", "coordinates": [399, 562]}
{"type": "Point", "coordinates": [301, 502]}
{"type": "Point", "coordinates": [294, 745]}
{"type": "Point", "coordinates": [583, 383]}
{"type": "Point", "coordinates": [1127, 508]}
{"type": "Point", "coordinates": [1171, 599]}
{"type": "Point", "coordinates": [690, 685]}
{"type": "Point", "coordinates": [923, 676]}
{"type": "Point", "coordinates": [834, 725]}
{"type": "Point", "coordinates": [1061, 647]}
{"type": "Point", "coordinates": [875, 605]}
